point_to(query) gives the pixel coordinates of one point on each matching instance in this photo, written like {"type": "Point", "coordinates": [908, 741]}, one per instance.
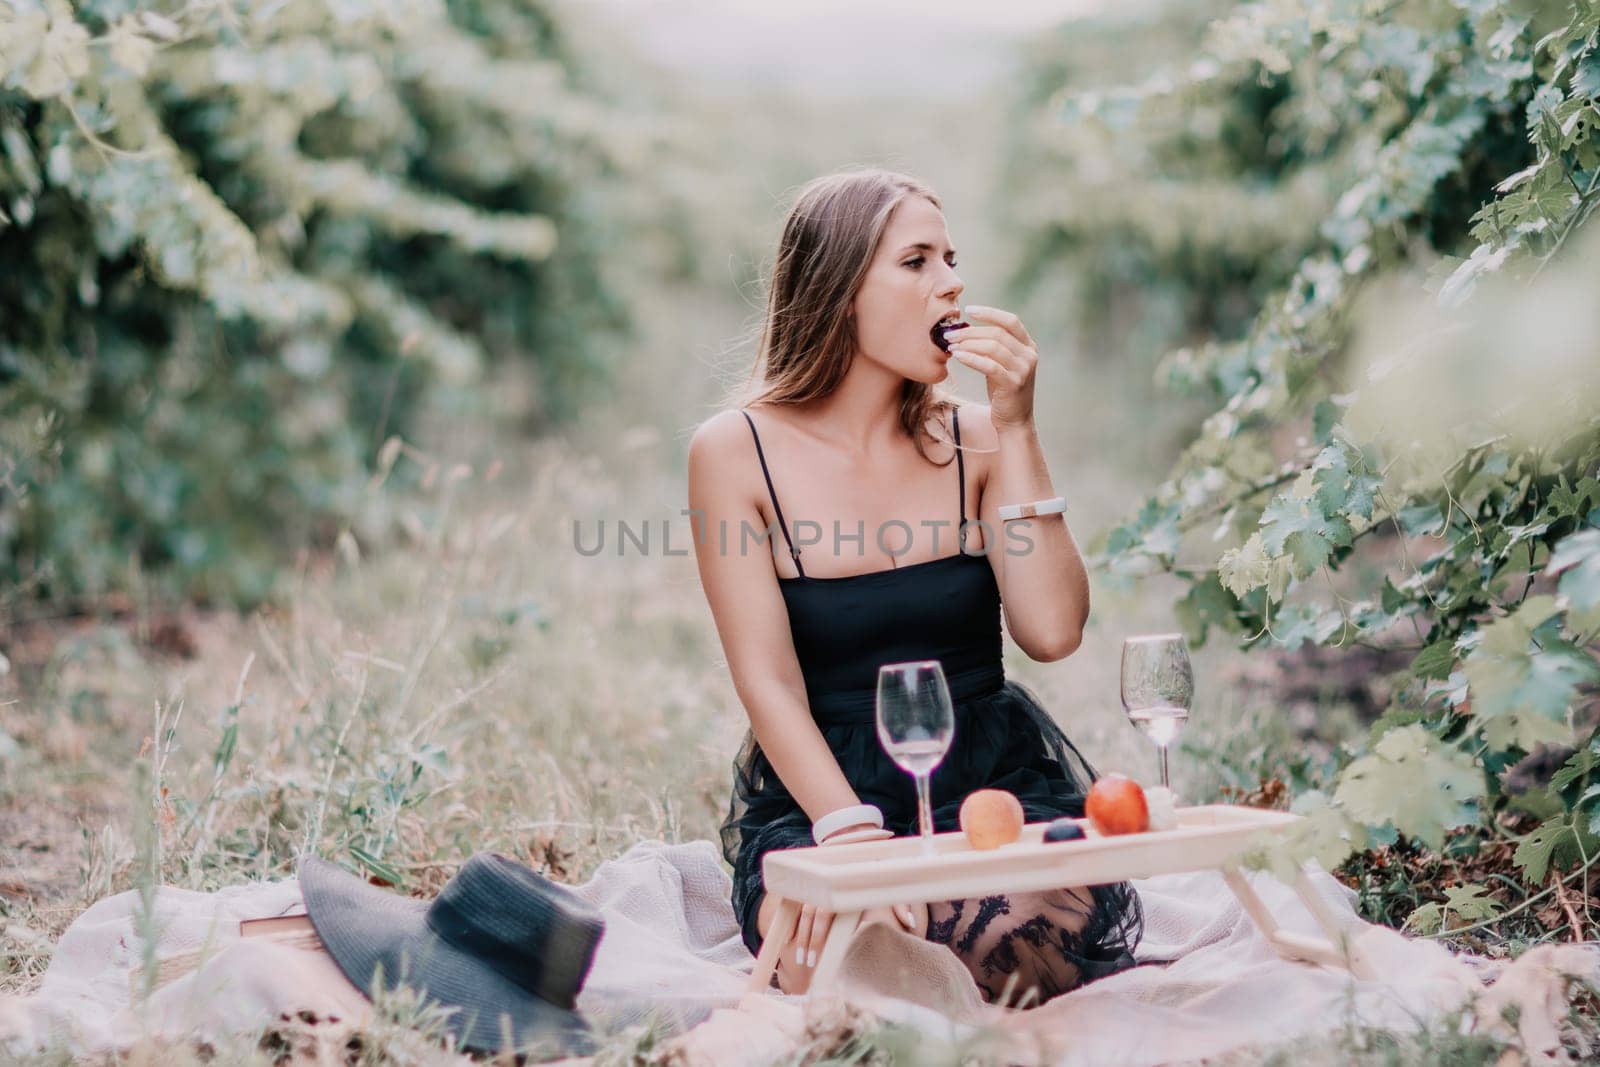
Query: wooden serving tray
{"type": "Point", "coordinates": [896, 871]}
{"type": "Point", "coordinates": [848, 879]}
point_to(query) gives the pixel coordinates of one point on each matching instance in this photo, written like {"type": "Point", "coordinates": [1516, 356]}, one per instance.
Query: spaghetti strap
{"type": "Point", "coordinates": [794, 553]}
{"type": "Point", "coordinates": [961, 479]}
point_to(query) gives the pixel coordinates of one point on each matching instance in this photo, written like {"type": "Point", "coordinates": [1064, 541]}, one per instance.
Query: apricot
{"type": "Point", "coordinates": [991, 818]}
{"type": "Point", "coordinates": [1116, 805]}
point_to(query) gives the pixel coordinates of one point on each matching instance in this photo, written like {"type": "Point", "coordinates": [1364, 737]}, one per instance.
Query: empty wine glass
{"type": "Point", "coordinates": [916, 723]}
{"type": "Point", "coordinates": [1157, 688]}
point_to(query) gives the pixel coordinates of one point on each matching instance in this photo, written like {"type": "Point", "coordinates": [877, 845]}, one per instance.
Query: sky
{"type": "Point", "coordinates": [838, 47]}
{"type": "Point", "coordinates": [1008, 15]}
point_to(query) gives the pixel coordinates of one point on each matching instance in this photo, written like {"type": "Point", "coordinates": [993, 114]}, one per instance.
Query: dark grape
{"type": "Point", "coordinates": [1063, 830]}
{"type": "Point", "coordinates": [941, 329]}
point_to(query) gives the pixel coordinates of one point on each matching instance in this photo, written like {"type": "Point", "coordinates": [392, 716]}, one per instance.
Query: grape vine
{"type": "Point", "coordinates": [244, 239]}
{"type": "Point", "coordinates": [1383, 465]}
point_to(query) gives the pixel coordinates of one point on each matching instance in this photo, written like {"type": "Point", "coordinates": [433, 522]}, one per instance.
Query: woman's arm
{"type": "Point", "coordinates": [751, 618]}
{"type": "Point", "coordinates": [1044, 585]}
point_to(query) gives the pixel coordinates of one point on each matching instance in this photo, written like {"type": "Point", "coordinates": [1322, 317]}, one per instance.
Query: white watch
{"type": "Point", "coordinates": [1054, 506]}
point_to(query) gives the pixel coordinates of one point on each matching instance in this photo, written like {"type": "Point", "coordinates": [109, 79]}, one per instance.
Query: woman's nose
{"type": "Point", "coordinates": [954, 287]}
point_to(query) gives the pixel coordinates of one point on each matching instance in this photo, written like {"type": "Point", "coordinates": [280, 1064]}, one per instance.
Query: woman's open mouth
{"type": "Point", "coordinates": [940, 329]}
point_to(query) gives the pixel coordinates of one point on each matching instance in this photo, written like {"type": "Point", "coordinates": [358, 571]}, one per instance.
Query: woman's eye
{"type": "Point", "coordinates": [917, 262]}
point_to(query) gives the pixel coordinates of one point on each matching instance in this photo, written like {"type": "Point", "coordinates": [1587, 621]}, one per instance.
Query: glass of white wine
{"type": "Point", "coordinates": [916, 723]}
{"type": "Point", "coordinates": [1157, 688]}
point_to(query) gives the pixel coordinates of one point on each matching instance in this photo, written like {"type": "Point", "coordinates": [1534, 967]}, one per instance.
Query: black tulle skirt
{"type": "Point", "coordinates": [1003, 740]}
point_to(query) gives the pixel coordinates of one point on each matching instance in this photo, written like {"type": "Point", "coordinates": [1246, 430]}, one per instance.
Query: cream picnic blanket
{"type": "Point", "coordinates": [672, 955]}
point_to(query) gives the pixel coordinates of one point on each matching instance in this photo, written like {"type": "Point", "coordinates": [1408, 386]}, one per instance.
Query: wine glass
{"type": "Point", "coordinates": [916, 723]}
{"type": "Point", "coordinates": [1157, 688]}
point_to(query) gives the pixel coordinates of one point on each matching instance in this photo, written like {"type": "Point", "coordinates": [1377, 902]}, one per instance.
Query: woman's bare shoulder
{"type": "Point", "coordinates": [720, 443]}
{"type": "Point", "coordinates": [720, 435]}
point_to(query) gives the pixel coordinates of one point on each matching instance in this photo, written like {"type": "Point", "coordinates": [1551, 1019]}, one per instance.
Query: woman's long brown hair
{"type": "Point", "coordinates": [808, 338]}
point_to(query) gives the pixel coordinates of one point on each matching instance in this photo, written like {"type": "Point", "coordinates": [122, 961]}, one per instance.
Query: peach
{"type": "Point", "coordinates": [991, 818]}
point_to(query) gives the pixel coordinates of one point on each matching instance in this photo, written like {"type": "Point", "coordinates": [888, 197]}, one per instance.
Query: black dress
{"type": "Point", "coordinates": [946, 609]}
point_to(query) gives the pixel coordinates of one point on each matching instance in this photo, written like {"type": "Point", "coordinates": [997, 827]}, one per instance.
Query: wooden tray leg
{"type": "Point", "coordinates": [839, 935]}
{"type": "Point", "coordinates": [1349, 956]}
{"type": "Point", "coordinates": [778, 937]}
{"type": "Point", "coordinates": [1333, 951]}
{"type": "Point", "coordinates": [1253, 905]}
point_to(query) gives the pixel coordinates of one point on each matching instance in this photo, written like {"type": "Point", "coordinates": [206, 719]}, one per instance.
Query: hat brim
{"type": "Point", "coordinates": [370, 933]}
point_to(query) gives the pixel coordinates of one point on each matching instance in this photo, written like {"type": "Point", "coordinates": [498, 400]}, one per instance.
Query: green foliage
{"type": "Point", "coordinates": [1461, 904]}
{"type": "Point", "coordinates": [1381, 467]}
{"type": "Point", "coordinates": [1411, 778]}
{"type": "Point", "coordinates": [244, 241]}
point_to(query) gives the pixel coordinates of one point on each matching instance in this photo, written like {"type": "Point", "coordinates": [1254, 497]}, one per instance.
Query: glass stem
{"type": "Point", "coordinates": [924, 806]}
{"type": "Point", "coordinates": [1164, 783]}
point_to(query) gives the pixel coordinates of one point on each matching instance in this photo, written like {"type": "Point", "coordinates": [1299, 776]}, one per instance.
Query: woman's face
{"type": "Point", "coordinates": [907, 291]}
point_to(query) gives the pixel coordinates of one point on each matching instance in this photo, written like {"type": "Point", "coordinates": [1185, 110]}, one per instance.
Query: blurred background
{"type": "Point", "coordinates": [323, 324]}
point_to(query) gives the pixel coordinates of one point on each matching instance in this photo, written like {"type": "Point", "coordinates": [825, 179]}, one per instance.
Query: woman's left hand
{"type": "Point", "coordinates": [997, 345]}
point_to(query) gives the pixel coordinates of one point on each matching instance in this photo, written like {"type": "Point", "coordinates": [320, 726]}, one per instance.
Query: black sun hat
{"type": "Point", "coordinates": [505, 947]}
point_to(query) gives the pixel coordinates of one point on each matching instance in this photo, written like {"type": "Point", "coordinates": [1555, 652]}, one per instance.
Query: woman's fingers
{"type": "Point", "coordinates": [1012, 364]}
{"type": "Point", "coordinates": [1005, 320]}
{"type": "Point", "coordinates": [990, 341]}
{"type": "Point", "coordinates": [819, 936]}
{"type": "Point", "coordinates": [802, 933]}
{"type": "Point", "coordinates": [982, 364]}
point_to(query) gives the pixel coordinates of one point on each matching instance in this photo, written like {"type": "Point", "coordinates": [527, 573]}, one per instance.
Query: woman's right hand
{"type": "Point", "coordinates": [811, 930]}
{"type": "Point", "coordinates": [810, 935]}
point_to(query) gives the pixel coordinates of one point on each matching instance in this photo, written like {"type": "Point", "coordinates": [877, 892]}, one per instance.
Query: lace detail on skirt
{"type": "Point", "coordinates": [1051, 941]}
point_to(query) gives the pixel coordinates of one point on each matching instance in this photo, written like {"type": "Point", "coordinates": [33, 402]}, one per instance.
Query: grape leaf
{"type": "Point", "coordinates": [1421, 520]}
{"type": "Point", "coordinates": [1576, 559]}
{"type": "Point", "coordinates": [1422, 784]}
{"type": "Point", "coordinates": [1207, 604]}
{"type": "Point", "coordinates": [1586, 77]}
{"type": "Point", "coordinates": [1246, 567]}
{"type": "Point", "coordinates": [1576, 768]}
{"type": "Point", "coordinates": [1555, 842]}
{"type": "Point", "coordinates": [1324, 417]}
{"type": "Point", "coordinates": [1299, 528]}
{"type": "Point", "coordinates": [1467, 903]}
{"type": "Point", "coordinates": [1525, 730]}
{"type": "Point", "coordinates": [1297, 624]}
{"type": "Point", "coordinates": [1572, 501]}
{"type": "Point", "coordinates": [1509, 675]}
{"type": "Point", "coordinates": [1324, 833]}
{"type": "Point", "coordinates": [1152, 534]}
{"type": "Point", "coordinates": [1435, 660]}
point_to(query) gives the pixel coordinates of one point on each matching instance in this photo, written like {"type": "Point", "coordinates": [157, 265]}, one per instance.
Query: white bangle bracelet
{"type": "Point", "coordinates": [850, 837]}
{"type": "Point", "coordinates": [1054, 506]}
{"type": "Point", "coordinates": [838, 820]}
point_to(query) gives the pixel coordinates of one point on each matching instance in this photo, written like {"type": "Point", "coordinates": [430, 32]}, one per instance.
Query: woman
{"type": "Point", "coordinates": [845, 425]}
